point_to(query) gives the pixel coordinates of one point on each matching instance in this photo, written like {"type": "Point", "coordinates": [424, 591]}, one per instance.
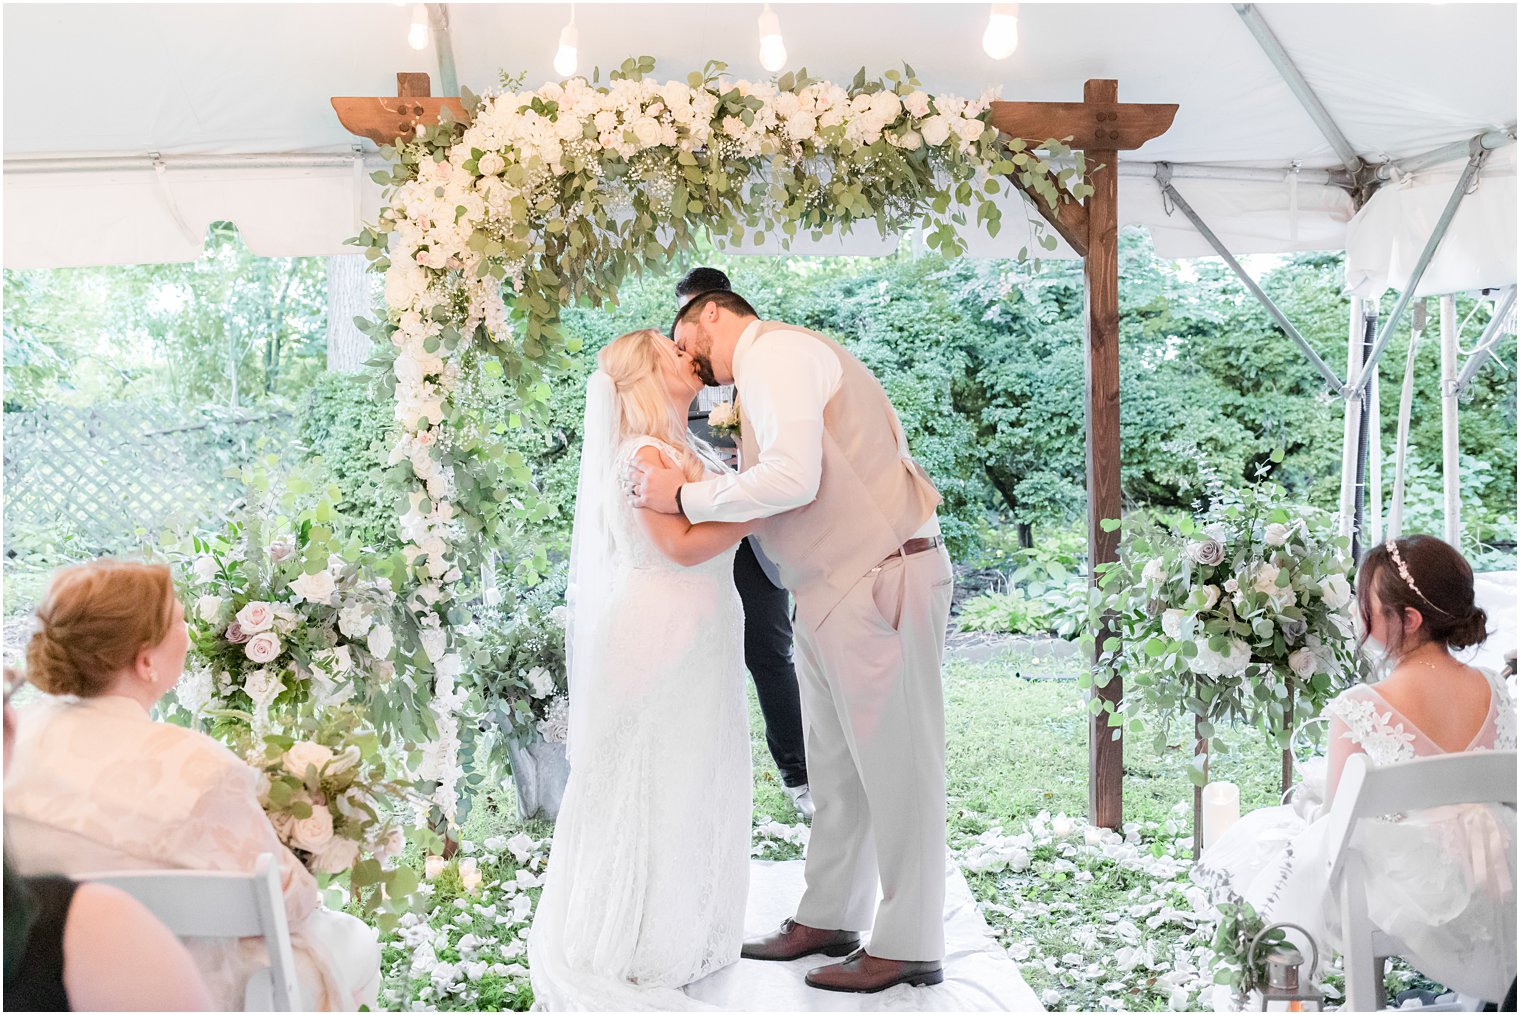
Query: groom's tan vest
{"type": "Point", "coordinates": [871, 499]}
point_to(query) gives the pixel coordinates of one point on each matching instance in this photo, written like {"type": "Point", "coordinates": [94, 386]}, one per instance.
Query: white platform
{"type": "Point", "coordinates": [979, 975]}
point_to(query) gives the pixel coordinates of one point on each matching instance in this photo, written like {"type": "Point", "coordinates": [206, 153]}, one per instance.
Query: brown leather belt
{"type": "Point", "coordinates": [912, 546]}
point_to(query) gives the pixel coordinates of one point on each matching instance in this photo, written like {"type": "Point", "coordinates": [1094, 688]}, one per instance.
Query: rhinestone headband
{"type": "Point", "coordinates": [1398, 562]}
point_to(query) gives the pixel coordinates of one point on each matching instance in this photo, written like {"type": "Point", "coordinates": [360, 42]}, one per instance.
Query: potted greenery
{"type": "Point", "coordinates": [517, 656]}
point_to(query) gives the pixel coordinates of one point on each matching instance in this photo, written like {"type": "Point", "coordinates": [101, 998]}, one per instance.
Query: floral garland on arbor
{"type": "Point", "coordinates": [553, 196]}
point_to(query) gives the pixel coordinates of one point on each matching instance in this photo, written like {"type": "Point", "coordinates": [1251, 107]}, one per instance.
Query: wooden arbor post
{"type": "Point", "coordinates": [1101, 127]}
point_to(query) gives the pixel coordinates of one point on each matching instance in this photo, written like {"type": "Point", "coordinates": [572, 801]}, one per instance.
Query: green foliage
{"type": "Point", "coordinates": [515, 658]}
{"type": "Point", "coordinates": [1007, 612]}
{"type": "Point", "coordinates": [347, 429]}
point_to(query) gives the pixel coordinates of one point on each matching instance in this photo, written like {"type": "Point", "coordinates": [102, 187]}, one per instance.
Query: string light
{"type": "Point", "coordinates": [1002, 35]}
{"type": "Point", "coordinates": [772, 49]}
{"type": "Point", "coordinates": [417, 35]}
{"type": "Point", "coordinates": [569, 44]}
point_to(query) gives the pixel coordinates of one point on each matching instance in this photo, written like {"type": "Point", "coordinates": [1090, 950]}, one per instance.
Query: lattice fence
{"type": "Point", "coordinates": [106, 477]}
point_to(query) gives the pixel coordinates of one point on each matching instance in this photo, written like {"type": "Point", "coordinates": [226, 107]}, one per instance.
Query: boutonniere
{"type": "Point", "coordinates": [724, 419]}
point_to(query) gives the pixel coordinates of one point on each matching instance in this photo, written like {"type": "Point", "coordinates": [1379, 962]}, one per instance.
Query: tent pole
{"type": "Point", "coordinates": [1464, 183]}
{"type": "Point", "coordinates": [1363, 433]}
{"type": "Point", "coordinates": [1346, 512]}
{"type": "Point", "coordinates": [1164, 179]}
{"type": "Point", "coordinates": [1300, 88]}
{"type": "Point", "coordinates": [443, 46]}
{"type": "Point", "coordinates": [1490, 140]}
{"type": "Point", "coordinates": [1483, 350]}
{"type": "Point", "coordinates": [1451, 480]}
{"type": "Point", "coordinates": [1374, 524]}
{"type": "Point", "coordinates": [1401, 440]}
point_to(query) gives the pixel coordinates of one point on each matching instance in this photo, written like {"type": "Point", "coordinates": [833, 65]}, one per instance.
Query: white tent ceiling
{"type": "Point", "coordinates": [83, 82]}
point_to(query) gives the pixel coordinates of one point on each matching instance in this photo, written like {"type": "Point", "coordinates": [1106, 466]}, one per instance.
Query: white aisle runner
{"type": "Point", "coordinates": [979, 975]}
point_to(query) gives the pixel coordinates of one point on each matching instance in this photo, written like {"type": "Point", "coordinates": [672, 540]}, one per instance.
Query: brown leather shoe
{"type": "Point", "coordinates": [866, 974]}
{"type": "Point", "coordinates": [794, 940]}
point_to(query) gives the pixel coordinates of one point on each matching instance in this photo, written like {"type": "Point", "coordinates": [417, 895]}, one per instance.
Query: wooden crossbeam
{"type": "Point", "coordinates": [1108, 126]}
{"type": "Point", "coordinates": [383, 120]}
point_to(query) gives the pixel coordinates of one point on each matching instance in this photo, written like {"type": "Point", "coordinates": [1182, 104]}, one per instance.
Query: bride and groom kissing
{"type": "Point", "coordinates": [649, 870]}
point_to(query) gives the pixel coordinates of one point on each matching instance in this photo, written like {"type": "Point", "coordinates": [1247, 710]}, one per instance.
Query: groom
{"type": "Point", "coordinates": [849, 518]}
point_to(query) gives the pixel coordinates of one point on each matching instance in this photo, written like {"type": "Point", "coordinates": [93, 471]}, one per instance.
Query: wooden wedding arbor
{"type": "Point", "coordinates": [1101, 126]}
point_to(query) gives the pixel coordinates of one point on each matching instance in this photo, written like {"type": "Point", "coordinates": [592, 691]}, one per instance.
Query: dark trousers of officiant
{"type": "Point", "coordinates": [768, 657]}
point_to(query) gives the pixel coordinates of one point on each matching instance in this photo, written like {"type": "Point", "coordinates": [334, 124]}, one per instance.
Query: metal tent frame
{"type": "Point", "coordinates": [1367, 341]}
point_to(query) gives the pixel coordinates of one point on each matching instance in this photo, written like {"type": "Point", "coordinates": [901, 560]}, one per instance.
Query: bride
{"type": "Point", "coordinates": [649, 869]}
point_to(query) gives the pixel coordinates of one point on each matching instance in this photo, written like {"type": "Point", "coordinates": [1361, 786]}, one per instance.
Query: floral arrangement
{"type": "Point", "coordinates": [275, 625]}
{"type": "Point", "coordinates": [332, 801]}
{"type": "Point", "coordinates": [518, 664]}
{"type": "Point", "coordinates": [554, 195]}
{"type": "Point", "coordinates": [723, 418]}
{"type": "Point", "coordinates": [1240, 614]}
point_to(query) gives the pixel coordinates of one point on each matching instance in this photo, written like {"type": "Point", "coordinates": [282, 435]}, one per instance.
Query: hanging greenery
{"type": "Point", "coordinates": [553, 196]}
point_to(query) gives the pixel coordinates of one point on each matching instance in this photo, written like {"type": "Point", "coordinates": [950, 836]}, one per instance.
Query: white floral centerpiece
{"type": "Point", "coordinates": [1242, 614]}
{"type": "Point", "coordinates": [333, 799]}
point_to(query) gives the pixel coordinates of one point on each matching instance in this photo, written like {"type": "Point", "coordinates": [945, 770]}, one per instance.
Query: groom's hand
{"type": "Point", "coordinates": [655, 488]}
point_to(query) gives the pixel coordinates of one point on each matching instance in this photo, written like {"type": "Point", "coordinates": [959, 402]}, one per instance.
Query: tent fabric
{"type": "Point", "coordinates": [254, 79]}
{"type": "Point", "coordinates": [1386, 238]}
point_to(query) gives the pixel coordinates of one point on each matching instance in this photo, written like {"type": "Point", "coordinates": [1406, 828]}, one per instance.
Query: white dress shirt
{"type": "Point", "coordinates": [787, 381]}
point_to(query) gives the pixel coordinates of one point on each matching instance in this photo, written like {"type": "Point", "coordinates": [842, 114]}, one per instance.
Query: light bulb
{"type": "Point", "coordinates": [417, 35]}
{"type": "Point", "coordinates": [569, 42]}
{"type": "Point", "coordinates": [772, 49]}
{"type": "Point", "coordinates": [1002, 35]}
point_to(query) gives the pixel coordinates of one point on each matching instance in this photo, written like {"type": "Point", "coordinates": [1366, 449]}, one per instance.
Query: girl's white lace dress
{"type": "Point", "coordinates": [1445, 881]}
{"type": "Point", "coordinates": [649, 870]}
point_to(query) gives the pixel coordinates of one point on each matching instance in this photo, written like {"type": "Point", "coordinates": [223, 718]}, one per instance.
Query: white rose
{"type": "Point", "coordinates": [911, 141]}
{"type": "Point", "coordinates": [1207, 552]}
{"type": "Point", "coordinates": [337, 856]}
{"type": "Point", "coordinates": [315, 588]}
{"type": "Point", "coordinates": [1276, 534]}
{"type": "Point", "coordinates": [381, 641]}
{"type": "Point", "coordinates": [605, 120]}
{"type": "Point", "coordinates": [1336, 591]}
{"type": "Point", "coordinates": [1171, 623]}
{"type": "Point", "coordinates": [204, 568]}
{"type": "Point", "coordinates": [341, 762]}
{"type": "Point", "coordinates": [801, 126]}
{"type": "Point", "coordinates": [1155, 571]}
{"type": "Point", "coordinates": [303, 754]}
{"type": "Point", "coordinates": [256, 617]}
{"type": "Point", "coordinates": [540, 682]}
{"type": "Point", "coordinates": [343, 659]}
{"type": "Point", "coordinates": [263, 686]}
{"type": "Point", "coordinates": [647, 131]}
{"type": "Point", "coordinates": [286, 619]}
{"type": "Point", "coordinates": [1303, 662]}
{"type": "Point", "coordinates": [282, 548]}
{"type": "Point", "coordinates": [435, 641]}
{"type": "Point", "coordinates": [1265, 580]}
{"type": "Point", "coordinates": [935, 129]}
{"type": "Point", "coordinates": [1210, 597]}
{"type": "Point", "coordinates": [886, 106]}
{"type": "Point", "coordinates": [916, 103]}
{"type": "Point", "coordinates": [312, 833]}
{"type": "Point", "coordinates": [263, 647]}
{"type": "Point", "coordinates": [208, 608]}
{"type": "Point", "coordinates": [723, 414]}
{"type": "Point", "coordinates": [1231, 585]}
{"type": "Point", "coordinates": [970, 130]}
{"type": "Point", "coordinates": [490, 164]}
{"type": "Point", "coordinates": [354, 621]}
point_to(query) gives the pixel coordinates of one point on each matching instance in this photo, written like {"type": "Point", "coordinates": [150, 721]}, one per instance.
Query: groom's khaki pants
{"type": "Point", "coordinates": [874, 711]}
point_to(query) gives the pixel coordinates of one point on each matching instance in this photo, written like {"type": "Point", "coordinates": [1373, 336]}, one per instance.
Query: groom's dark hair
{"type": "Point", "coordinates": [726, 299]}
{"type": "Point", "coordinates": [702, 280]}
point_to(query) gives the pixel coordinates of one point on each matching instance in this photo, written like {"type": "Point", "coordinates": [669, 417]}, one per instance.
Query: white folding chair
{"type": "Point", "coordinates": [217, 904]}
{"type": "Point", "coordinates": [1367, 792]}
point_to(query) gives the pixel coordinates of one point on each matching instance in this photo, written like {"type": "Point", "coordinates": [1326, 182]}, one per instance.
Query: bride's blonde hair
{"type": "Point", "coordinates": [635, 363]}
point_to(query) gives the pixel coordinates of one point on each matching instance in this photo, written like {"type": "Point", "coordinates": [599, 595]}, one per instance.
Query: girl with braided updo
{"type": "Point", "coordinates": [97, 784]}
{"type": "Point", "coordinates": [1444, 878]}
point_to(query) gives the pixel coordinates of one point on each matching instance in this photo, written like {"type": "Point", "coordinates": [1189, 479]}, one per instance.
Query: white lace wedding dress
{"type": "Point", "coordinates": [1445, 877]}
{"type": "Point", "coordinates": [649, 870]}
